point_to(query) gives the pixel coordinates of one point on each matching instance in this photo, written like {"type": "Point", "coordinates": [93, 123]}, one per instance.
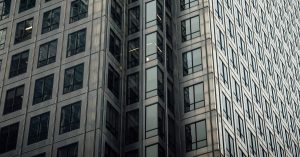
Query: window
{"type": "Point", "coordinates": [70, 150]}
{"type": "Point", "coordinates": [155, 151]}
{"type": "Point", "coordinates": [241, 153]}
{"type": "Point", "coordinates": [245, 76]}
{"type": "Point", "coordinates": [133, 88]}
{"type": "Point", "coordinates": [170, 96]}
{"type": "Point", "coordinates": [76, 42]}
{"type": "Point", "coordinates": [192, 62]}
{"type": "Point", "coordinates": [40, 155]}
{"type": "Point", "coordinates": [70, 117]}
{"type": "Point", "coordinates": [260, 126]}
{"type": "Point", "coordinates": [154, 82]}
{"type": "Point", "coordinates": [23, 30]}
{"type": "Point", "coordinates": [169, 28]}
{"type": "Point", "coordinates": [115, 45]}
{"type": "Point", "coordinates": [132, 126]}
{"type": "Point", "coordinates": [248, 108]}
{"type": "Point", "coordinates": [195, 136]}
{"type": "Point", "coordinates": [155, 121]}
{"type": "Point", "coordinates": [112, 120]}
{"type": "Point", "coordinates": [43, 89]}
{"type": "Point", "coordinates": [8, 137]}
{"type": "Point", "coordinates": [116, 12]}
{"type": "Point", "coordinates": [226, 108]}
{"type": "Point", "coordinates": [262, 152]}
{"type": "Point", "coordinates": [220, 40]}
{"type": "Point", "coordinates": [171, 134]}
{"type": "Point", "coordinates": [223, 72]}
{"type": "Point", "coordinates": [51, 20]}
{"type": "Point", "coordinates": [38, 129]}
{"type": "Point", "coordinates": [190, 28]}
{"type": "Point", "coordinates": [18, 64]}
{"type": "Point", "coordinates": [79, 10]}
{"type": "Point", "coordinates": [236, 91]}
{"type": "Point", "coordinates": [240, 127]}
{"type": "Point", "coordinates": [5, 5]}
{"type": "Point", "coordinates": [219, 9]}
{"type": "Point", "coordinates": [241, 45]}
{"type": "Point", "coordinates": [233, 57]}
{"type": "Point", "coordinates": [230, 28]}
{"type": "Point", "coordinates": [2, 36]}
{"type": "Point", "coordinates": [169, 60]}
{"type": "Point", "coordinates": [133, 53]}
{"type": "Point", "coordinates": [47, 53]}
{"type": "Point", "coordinates": [255, 91]}
{"type": "Point", "coordinates": [154, 14]}
{"type": "Point", "coordinates": [186, 4]}
{"type": "Point", "coordinates": [194, 97]}
{"type": "Point", "coordinates": [133, 153]}
{"type": "Point", "coordinates": [239, 18]}
{"type": "Point", "coordinates": [73, 79]}
{"type": "Point", "coordinates": [26, 5]}
{"type": "Point", "coordinates": [134, 20]}
{"type": "Point", "coordinates": [154, 47]}
{"type": "Point", "coordinates": [230, 151]}
{"type": "Point", "coordinates": [13, 99]}
{"type": "Point", "coordinates": [252, 143]}
{"type": "Point", "coordinates": [114, 81]}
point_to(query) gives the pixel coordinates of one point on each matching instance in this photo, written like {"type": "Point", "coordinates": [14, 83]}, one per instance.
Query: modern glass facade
{"type": "Point", "coordinates": [149, 78]}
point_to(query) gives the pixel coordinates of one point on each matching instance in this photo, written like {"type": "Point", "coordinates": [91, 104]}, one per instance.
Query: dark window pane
{"type": "Point", "coordinates": [195, 135]}
{"type": "Point", "coordinates": [115, 46]}
{"type": "Point", "coordinates": [38, 129]}
{"type": "Point", "coordinates": [132, 88]}
{"type": "Point", "coordinates": [109, 152]}
{"type": "Point", "coordinates": [73, 79]}
{"type": "Point", "coordinates": [43, 89]}
{"type": "Point", "coordinates": [2, 37]}
{"type": "Point", "coordinates": [193, 97]}
{"type": "Point", "coordinates": [8, 137]}
{"type": "Point", "coordinates": [112, 120]}
{"type": "Point", "coordinates": [116, 12]}
{"type": "Point", "coordinates": [186, 4]}
{"type": "Point", "coordinates": [26, 5]}
{"type": "Point", "coordinates": [70, 150]}
{"type": "Point", "coordinates": [134, 20]}
{"type": "Point", "coordinates": [190, 28]}
{"type": "Point", "coordinates": [114, 81]}
{"type": "Point", "coordinates": [24, 30]}
{"type": "Point", "coordinates": [132, 126]}
{"type": "Point", "coordinates": [133, 53]}
{"type": "Point", "coordinates": [19, 64]}
{"type": "Point", "coordinates": [76, 42]}
{"type": "Point", "coordinates": [13, 100]}
{"type": "Point", "coordinates": [5, 9]}
{"type": "Point", "coordinates": [47, 53]}
{"type": "Point", "coordinates": [51, 20]}
{"type": "Point", "coordinates": [70, 117]}
{"type": "Point", "coordinates": [79, 10]}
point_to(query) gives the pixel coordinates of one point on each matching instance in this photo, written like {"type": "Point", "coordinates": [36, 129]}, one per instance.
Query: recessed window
{"type": "Point", "coordinates": [133, 153]}
{"type": "Point", "coordinates": [155, 121]}
{"type": "Point", "coordinates": [114, 81]}
{"type": "Point", "coordinates": [133, 53]}
{"type": "Point", "coordinates": [252, 143]}
{"type": "Point", "coordinates": [230, 150]}
{"type": "Point", "coordinates": [73, 79]}
{"type": "Point", "coordinates": [70, 117]}
{"type": "Point", "coordinates": [8, 137]}
{"type": "Point", "coordinates": [38, 129]}
{"type": "Point", "coordinates": [226, 108]}
{"type": "Point", "coordinates": [154, 14]}
{"type": "Point", "coordinates": [5, 5]}
{"type": "Point", "coordinates": [132, 126]}
{"type": "Point", "coordinates": [192, 62]}
{"type": "Point", "coordinates": [115, 46]}
{"type": "Point", "coordinates": [220, 40]}
{"type": "Point", "coordinates": [223, 72]}
{"type": "Point", "coordinates": [134, 20]}
{"type": "Point", "coordinates": [24, 30]}
{"type": "Point", "coordinates": [70, 150]}
{"type": "Point", "coordinates": [76, 42]}
{"type": "Point", "coordinates": [240, 127]}
{"type": "Point", "coordinates": [154, 47]}
{"type": "Point", "coordinates": [19, 64]}
{"type": "Point", "coordinates": [190, 28]}
{"type": "Point", "coordinates": [186, 4]}
{"type": "Point", "coordinates": [40, 155]}
{"type": "Point", "coordinates": [112, 120]}
{"type": "Point", "coordinates": [155, 151]}
{"type": "Point", "coordinates": [13, 100]}
{"type": "Point", "coordinates": [26, 5]}
{"type": "Point", "coordinates": [47, 53]}
{"type": "Point", "coordinates": [2, 37]}
{"type": "Point", "coordinates": [79, 10]}
{"type": "Point", "coordinates": [195, 136]}
{"type": "Point", "coordinates": [116, 12]}
{"type": "Point", "coordinates": [51, 20]}
{"type": "Point", "coordinates": [236, 91]}
{"type": "Point", "coordinates": [133, 88]}
{"type": "Point", "coordinates": [193, 97]}
{"type": "Point", "coordinates": [219, 9]}
{"type": "Point", "coordinates": [43, 89]}
{"type": "Point", "coordinates": [154, 82]}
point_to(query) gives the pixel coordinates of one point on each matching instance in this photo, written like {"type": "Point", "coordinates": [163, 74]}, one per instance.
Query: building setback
{"type": "Point", "coordinates": [149, 78]}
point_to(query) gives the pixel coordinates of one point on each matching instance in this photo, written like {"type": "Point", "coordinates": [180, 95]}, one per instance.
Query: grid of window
{"type": "Point", "coordinates": [79, 10]}
{"type": "Point", "coordinates": [195, 136]}
{"type": "Point", "coordinates": [38, 128]}
{"type": "Point", "coordinates": [47, 53]}
{"type": "Point", "coordinates": [76, 42]}
{"type": "Point", "coordinates": [8, 137]}
{"type": "Point", "coordinates": [190, 28]}
{"type": "Point", "coordinates": [18, 64]}
{"type": "Point", "coordinates": [73, 79]}
{"type": "Point", "coordinates": [70, 117]}
{"type": "Point", "coordinates": [192, 62]}
{"type": "Point", "coordinates": [43, 89]}
{"type": "Point", "coordinates": [13, 99]}
{"type": "Point", "coordinates": [194, 97]}
{"type": "Point", "coordinates": [51, 20]}
{"type": "Point", "coordinates": [23, 30]}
